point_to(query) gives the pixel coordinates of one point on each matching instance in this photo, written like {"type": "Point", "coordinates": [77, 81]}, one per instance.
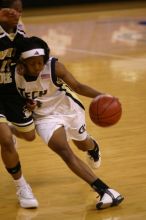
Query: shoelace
{"type": "Point", "coordinates": [25, 192]}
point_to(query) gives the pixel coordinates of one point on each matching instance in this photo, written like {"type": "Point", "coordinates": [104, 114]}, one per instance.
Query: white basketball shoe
{"type": "Point", "coordinates": [109, 199]}
{"type": "Point", "coordinates": [26, 197]}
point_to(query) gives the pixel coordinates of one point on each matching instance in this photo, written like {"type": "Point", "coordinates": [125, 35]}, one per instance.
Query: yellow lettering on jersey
{"type": "Point", "coordinates": [3, 67]}
{"type": "Point", "coordinates": [3, 54]}
{"type": "Point", "coordinates": [5, 78]}
{"type": "Point", "coordinates": [6, 53]}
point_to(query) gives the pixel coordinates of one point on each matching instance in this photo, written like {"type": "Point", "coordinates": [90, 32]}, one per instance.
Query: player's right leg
{"type": "Point", "coordinates": [108, 197]}
{"type": "Point", "coordinates": [55, 136]}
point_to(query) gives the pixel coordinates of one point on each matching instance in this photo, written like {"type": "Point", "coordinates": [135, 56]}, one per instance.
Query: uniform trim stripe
{"type": "Point", "coordinates": [2, 116]}
{"type": "Point", "coordinates": [73, 98]}
{"type": "Point", "coordinates": [26, 128]}
{"type": "Point", "coordinates": [54, 77]}
{"type": "Point", "coordinates": [2, 35]}
{"type": "Point", "coordinates": [3, 120]}
{"type": "Point", "coordinates": [21, 32]}
{"type": "Point", "coordinates": [24, 124]}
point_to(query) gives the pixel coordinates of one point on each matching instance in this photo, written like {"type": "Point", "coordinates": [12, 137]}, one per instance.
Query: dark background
{"type": "Point", "coordinates": [43, 3]}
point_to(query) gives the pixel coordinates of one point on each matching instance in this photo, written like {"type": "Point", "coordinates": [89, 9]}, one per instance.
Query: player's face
{"type": "Point", "coordinates": [10, 15]}
{"type": "Point", "coordinates": [34, 65]}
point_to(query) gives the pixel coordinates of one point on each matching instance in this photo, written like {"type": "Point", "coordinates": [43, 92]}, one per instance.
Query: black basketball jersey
{"type": "Point", "coordinates": [8, 57]}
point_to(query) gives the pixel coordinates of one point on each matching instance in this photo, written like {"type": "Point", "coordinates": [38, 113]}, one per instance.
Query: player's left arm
{"type": "Point", "coordinates": [75, 85]}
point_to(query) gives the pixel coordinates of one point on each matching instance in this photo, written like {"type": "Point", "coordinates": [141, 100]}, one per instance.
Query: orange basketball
{"type": "Point", "coordinates": [105, 110]}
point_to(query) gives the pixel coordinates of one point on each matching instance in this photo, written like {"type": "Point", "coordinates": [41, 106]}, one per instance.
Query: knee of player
{"type": "Point", "coordinates": [29, 136]}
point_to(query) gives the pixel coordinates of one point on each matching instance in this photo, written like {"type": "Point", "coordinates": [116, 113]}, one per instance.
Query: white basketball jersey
{"type": "Point", "coordinates": [54, 96]}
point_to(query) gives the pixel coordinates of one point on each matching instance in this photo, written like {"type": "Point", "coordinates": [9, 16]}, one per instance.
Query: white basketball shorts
{"type": "Point", "coordinates": [73, 123]}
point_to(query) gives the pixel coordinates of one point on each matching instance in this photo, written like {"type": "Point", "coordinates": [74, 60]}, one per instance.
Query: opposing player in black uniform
{"type": "Point", "coordinates": [12, 105]}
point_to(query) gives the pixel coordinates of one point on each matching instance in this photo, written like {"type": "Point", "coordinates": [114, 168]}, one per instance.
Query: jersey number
{"type": "Point", "coordinates": [5, 62]}
{"type": "Point", "coordinates": [5, 74]}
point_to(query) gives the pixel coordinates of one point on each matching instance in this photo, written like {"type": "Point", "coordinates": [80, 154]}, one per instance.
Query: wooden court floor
{"type": "Point", "coordinates": [105, 49]}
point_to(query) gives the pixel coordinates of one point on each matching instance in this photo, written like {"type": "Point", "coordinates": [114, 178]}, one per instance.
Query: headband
{"type": "Point", "coordinates": [32, 53]}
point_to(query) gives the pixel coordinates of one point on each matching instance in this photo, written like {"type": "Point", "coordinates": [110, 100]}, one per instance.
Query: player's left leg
{"type": "Point", "coordinates": [24, 191]}
{"type": "Point", "coordinates": [23, 127]}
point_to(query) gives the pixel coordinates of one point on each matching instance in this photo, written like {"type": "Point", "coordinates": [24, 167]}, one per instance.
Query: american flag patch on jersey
{"type": "Point", "coordinates": [45, 76]}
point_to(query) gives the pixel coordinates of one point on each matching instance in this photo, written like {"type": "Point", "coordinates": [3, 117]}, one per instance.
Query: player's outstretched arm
{"type": "Point", "coordinates": [75, 85]}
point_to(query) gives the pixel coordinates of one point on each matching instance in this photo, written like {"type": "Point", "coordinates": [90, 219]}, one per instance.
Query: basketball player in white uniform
{"type": "Point", "coordinates": [58, 114]}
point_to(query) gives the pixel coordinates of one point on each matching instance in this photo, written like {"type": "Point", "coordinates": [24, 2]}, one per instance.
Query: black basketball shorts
{"type": "Point", "coordinates": [13, 109]}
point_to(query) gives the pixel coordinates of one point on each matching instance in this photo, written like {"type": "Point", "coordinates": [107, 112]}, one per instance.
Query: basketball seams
{"type": "Point", "coordinates": [105, 110]}
{"type": "Point", "coordinates": [106, 107]}
{"type": "Point", "coordinates": [110, 120]}
{"type": "Point", "coordinates": [112, 115]}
